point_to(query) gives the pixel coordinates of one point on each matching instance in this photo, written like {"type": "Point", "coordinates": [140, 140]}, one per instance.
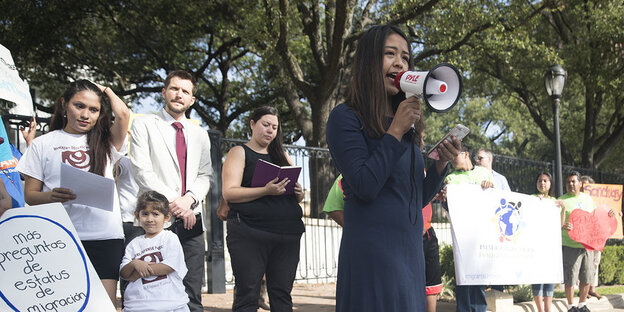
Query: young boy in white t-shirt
{"type": "Point", "coordinates": [154, 262]}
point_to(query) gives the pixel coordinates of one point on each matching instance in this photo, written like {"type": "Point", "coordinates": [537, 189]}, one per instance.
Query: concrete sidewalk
{"type": "Point", "coordinates": [322, 298]}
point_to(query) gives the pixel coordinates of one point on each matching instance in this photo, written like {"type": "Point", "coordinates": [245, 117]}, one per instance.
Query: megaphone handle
{"type": "Point", "coordinates": [412, 130]}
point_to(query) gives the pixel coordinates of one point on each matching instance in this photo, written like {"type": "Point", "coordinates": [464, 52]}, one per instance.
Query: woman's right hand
{"type": "Point", "coordinates": [276, 188]}
{"type": "Point", "coordinates": [61, 194]}
{"type": "Point", "coordinates": [408, 113]}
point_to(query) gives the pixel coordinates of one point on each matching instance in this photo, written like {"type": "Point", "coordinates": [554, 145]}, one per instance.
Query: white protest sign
{"type": "Point", "coordinates": [504, 238]}
{"type": "Point", "coordinates": [12, 87]}
{"type": "Point", "coordinates": [43, 264]}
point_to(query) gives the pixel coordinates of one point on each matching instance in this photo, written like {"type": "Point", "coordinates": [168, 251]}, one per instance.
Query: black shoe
{"type": "Point", "coordinates": [573, 309]}
{"type": "Point", "coordinates": [583, 309]}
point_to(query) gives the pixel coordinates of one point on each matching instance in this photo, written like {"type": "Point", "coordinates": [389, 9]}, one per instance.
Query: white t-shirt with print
{"type": "Point", "coordinates": [42, 161]}
{"type": "Point", "coordinates": [156, 293]}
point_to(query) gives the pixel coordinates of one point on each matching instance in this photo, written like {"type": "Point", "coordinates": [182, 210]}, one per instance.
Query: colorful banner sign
{"type": "Point", "coordinates": [607, 196]}
{"type": "Point", "coordinates": [504, 238]}
{"type": "Point", "coordinates": [43, 264]}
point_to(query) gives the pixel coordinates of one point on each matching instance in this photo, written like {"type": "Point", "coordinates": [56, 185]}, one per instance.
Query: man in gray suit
{"type": "Point", "coordinates": [171, 155]}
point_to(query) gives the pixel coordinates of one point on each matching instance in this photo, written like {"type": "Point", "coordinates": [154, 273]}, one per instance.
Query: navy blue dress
{"type": "Point", "coordinates": [381, 265]}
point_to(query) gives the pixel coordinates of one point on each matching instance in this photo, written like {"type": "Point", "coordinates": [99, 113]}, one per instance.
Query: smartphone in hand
{"type": "Point", "coordinates": [460, 131]}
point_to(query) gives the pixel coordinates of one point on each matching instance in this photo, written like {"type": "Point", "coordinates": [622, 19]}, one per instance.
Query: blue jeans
{"type": "Point", "coordinates": [470, 298]}
{"type": "Point", "coordinates": [544, 290]}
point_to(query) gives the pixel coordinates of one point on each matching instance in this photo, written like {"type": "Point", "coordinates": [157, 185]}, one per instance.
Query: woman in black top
{"type": "Point", "coordinates": [264, 225]}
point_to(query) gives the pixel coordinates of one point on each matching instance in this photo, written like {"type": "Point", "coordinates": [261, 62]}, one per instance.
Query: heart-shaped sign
{"type": "Point", "coordinates": [42, 266]}
{"type": "Point", "coordinates": [592, 229]}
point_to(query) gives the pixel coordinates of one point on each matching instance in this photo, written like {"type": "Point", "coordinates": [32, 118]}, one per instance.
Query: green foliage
{"type": "Point", "coordinates": [447, 262]}
{"type": "Point", "coordinates": [502, 49]}
{"type": "Point", "coordinates": [447, 268]}
{"type": "Point", "coordinates": [448, 288]}
{"type": "Point", "coordinates": [610, 271]}
{"type": "Point", "coordinates": [521, 293]}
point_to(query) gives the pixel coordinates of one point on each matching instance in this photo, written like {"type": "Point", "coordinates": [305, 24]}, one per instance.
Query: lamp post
{"type": "Point", "coordinates": [554, 80]}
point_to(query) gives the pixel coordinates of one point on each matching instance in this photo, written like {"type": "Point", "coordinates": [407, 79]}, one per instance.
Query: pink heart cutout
{"type": "Point", "coordinates": [592, 229]}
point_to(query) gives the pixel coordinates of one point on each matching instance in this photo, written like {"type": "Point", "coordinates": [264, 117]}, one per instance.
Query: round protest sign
{"type": "Point", "coordinates": [42, 266]}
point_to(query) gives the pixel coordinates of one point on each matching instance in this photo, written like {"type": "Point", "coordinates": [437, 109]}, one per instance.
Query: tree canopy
{"type": "Point", "coordinates": [296, 55]}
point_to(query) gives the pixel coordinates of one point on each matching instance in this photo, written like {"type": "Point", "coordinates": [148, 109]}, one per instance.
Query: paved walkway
{"type": "Point", "coordinates": [322, 298]}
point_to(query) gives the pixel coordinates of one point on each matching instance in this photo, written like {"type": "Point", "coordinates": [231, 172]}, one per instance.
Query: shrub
{"type": "Point", "coordinates": [447, 268]}
{"type": "Point", "coordinates": [521, 293]}
{"type": "Point", "coordinates": [610, 261]}
{"type": "Point", "coordinates": [448, 288]}
{"type": "Point", "coordinates": [447, 262]}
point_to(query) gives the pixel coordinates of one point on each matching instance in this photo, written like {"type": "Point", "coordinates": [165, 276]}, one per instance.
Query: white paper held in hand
{"type": "Point", "coordinates": [91, 189]}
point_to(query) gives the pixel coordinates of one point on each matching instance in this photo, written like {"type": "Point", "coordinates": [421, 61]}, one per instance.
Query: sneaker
{"type": "Point", "coordinates": [573, 309]}
{"type": "Point", "coordinates": [583, 309]}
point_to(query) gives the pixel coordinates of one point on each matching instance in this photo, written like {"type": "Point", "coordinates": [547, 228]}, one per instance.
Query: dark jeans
{"type": "Point", "coordinates": [470, 298]}
{"type": "Point", "coordinates": [130, 232]}
{"type": "Point", "coordinates": [254, 253]}
{"type": "Point", "coordinates": [194, 256]}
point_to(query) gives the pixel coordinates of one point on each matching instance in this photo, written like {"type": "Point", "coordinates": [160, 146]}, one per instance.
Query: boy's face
{"type": "Point", "coordinates": [152, 220]}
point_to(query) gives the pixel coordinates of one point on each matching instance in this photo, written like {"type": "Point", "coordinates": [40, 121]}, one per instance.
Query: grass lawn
{"type": "Point", "coordinates": [603, 290]}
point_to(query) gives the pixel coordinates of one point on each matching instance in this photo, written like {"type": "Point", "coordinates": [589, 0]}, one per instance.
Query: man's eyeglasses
{"type": "Point", "coordinates": [478, 158]}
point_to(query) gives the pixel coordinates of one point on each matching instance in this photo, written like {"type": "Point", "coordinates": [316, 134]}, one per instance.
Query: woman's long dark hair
{"type": "Point", "coordinates": [276, 147]}
{"type": "Point", "coordinates": [367, 92]}
{"type": "Point", "coordinates": [547, 174]}
{"type": "Point", "coordinates": [98, 138]}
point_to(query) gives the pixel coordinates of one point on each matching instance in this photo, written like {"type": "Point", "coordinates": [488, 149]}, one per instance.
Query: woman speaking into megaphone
{"type": "Point", "coordinates": [381, 265]}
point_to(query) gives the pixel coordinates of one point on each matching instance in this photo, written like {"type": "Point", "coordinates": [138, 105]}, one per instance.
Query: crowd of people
{"type": "Point", "coordinates": [389, 254]}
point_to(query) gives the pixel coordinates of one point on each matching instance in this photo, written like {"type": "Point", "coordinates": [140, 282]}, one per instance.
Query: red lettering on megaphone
{"type": "Point", "coordinates": [412, 78]}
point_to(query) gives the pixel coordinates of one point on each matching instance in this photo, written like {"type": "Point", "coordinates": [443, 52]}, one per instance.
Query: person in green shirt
{"type": "Point", "coordinates": [334, 203]}
{"type": "Point", "coordinates": [466, 173]}
{"type": "Point", "coordinates": [469, 297]}
{"type": "Point", "coordinates": [577, 261]}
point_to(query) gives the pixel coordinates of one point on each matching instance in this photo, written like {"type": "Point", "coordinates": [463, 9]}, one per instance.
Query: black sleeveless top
{"type": "Point", "coordinates": [276, 214]}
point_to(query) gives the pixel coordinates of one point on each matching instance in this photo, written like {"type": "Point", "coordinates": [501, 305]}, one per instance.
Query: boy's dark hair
{"type": "Point", "coordinates": [573, 173]}
{"type": "Point", "coordinates": [158, 201]}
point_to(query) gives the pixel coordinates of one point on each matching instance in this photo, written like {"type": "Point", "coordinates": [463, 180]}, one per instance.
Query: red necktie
{"type": "Point", "coordinates": [181, 152]}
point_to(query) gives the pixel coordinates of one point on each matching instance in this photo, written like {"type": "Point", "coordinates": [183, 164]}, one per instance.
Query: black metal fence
{"type": "Point", "coordinates": [320, 243]}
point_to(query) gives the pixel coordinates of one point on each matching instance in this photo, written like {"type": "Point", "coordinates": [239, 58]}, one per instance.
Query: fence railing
{"type": "Point", "coordinates": [320, 243]}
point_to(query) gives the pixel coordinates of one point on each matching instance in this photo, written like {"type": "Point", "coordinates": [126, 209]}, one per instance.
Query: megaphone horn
{"type": "Point", "coordinates": [439, 87]}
